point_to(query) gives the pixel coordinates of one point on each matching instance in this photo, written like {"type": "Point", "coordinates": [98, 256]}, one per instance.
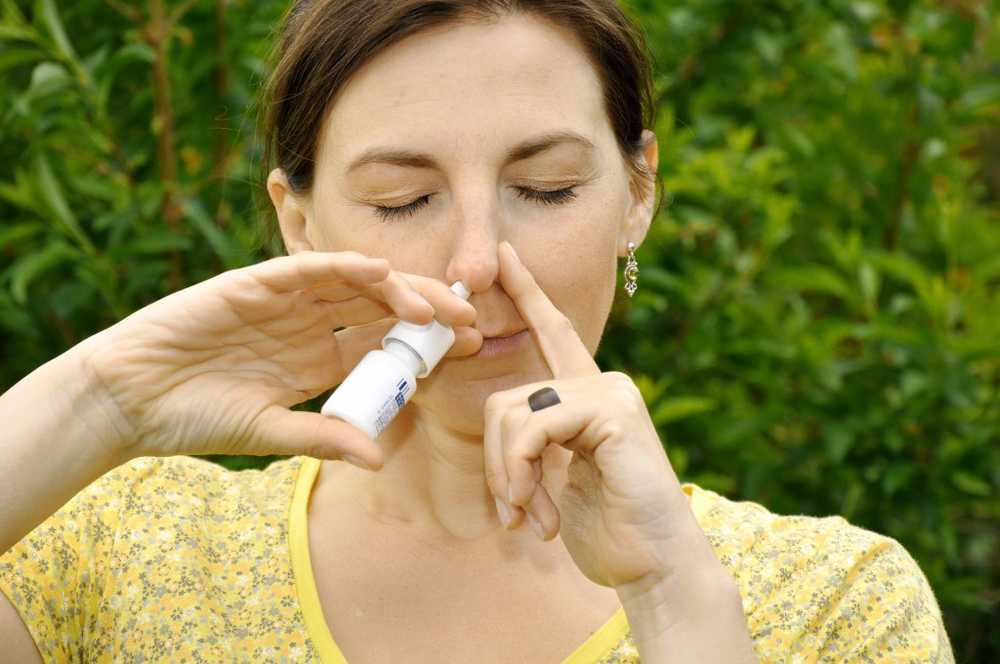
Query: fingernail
{"type": "Point", "coordinates": [503, 511]}
{"type": "Point", "coordinates": [356, 462]}
{"type": "Point", "coordinates": [537, 527]}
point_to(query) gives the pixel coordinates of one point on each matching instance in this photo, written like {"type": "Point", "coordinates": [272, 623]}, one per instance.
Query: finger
{"type": "Point", "coordinates": [308, 268]}
{"type": "Point", "coordinates": [494, 411]}
{"type": "Point", "coordinates": [296, 432]}
{"type": "Point", "coordinates": [561, 346]}
{"type": "Point", "coordinates": [537, 468]}
{"type": "Point", "coordinates": [468, 340]}
{"type": "Point", "coordinates": [403, 298]}
{"type": "Point", "coordinates": [449, 309]}
{"type": "Point", "coordinates": [557, 424]}
{"type": "Point", "coordinates": [358, 310]}
{"type": "Point", "coordinates": [544, 510]}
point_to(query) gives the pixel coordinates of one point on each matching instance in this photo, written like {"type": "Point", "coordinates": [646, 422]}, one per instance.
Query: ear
{"type": "Point", "coordinates": [640, 212]}
{"type": "Point", "coordinates": [291, 213]}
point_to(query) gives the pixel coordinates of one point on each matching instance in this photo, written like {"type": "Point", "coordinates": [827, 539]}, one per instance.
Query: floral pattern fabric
{"type": "Point", "coordinates": [177, 559]}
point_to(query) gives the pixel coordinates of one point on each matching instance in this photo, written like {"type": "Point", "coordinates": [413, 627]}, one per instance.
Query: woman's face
{"type": "Point", "coordinates": [466, 97]}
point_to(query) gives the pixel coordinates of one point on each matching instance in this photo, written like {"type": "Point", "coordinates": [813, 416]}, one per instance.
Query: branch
{"type": "Point", "coordinates": [221, 121]}
{"type": "Point", "coordinates": [131, 13]}
{"type": "Point", "coordinates": [158, 32]}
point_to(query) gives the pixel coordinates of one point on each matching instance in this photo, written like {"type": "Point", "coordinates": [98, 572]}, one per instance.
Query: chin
{"type": "Point", "coordinates": [459, 400]}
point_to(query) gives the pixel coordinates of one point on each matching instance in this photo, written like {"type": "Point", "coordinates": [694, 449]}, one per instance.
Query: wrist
{"type": "Point", "coordinates": [659, 601]}
{"type": "Point", "coordinates": [695, 614]}
{"type": "Point", "coordinates": [56, 442]}
{"type": "Point", "coordinates": [90, 400]}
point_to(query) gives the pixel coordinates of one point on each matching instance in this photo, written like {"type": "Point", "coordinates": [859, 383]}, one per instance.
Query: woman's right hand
{"type": "Point", "coordinates": [214, 368]}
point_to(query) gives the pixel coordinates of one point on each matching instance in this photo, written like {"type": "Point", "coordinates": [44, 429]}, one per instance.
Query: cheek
{"type": "Point", "coordinates": [578, 275]}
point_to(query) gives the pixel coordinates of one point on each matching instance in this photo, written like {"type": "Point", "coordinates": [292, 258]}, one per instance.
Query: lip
{"type": "Point", "coordinates": [503, 345]}
{"type": "Point", "coordinates": [500, 335]}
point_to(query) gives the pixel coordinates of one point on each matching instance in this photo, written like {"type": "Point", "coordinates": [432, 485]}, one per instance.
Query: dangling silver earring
{"type": "Point", "coordinates": [631, 271]}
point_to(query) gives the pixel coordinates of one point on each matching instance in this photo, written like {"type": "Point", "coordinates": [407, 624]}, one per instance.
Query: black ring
{"type": "Point", "coordinates": [543, 398]}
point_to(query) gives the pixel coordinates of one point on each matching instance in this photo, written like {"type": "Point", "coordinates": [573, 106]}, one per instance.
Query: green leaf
{"type": "Point", "coordinates": [677, 408]}
{"type": "Point", "coordinates": [135, 51]}
{"type": "Point", "coordinates": [12, 14]}
{"type": "Point", "coordinates": [30, 266]}
{"type": "Point", "coordinates": [984, 94]}
{"type": "Point", "coordinates": [903, 268]}
{"type": "Point", "coordinates": [898, 475]}
{"type": "Point", "coordinates": [69, 297]}
{"type": "Point", "coordinates": [14, 32]}
{"type": "Point", "coordinates": [50, 16]}
{"type": "Point", "coordinates": [159, 242]}
{"type": "Point", "coordinates": [13, 57]}
{"type": "Point", "coordinates": [13, 234]}
{"type": "Point", "coordinates": [18, 194]}
{"type": "Point", "coordinates": [56, 202]}
{"type": "Point", "coordinates": [969, 483]}
{"type": "Point", "coordinates": [839, 441]}
{"type": "Point", "coordinates": [222, 244]}
{"type": "Point", "coordinates": [870, 282]}
{"type": "Point", "coordinates": [649, 388]}
{"type": "Point", "coordinates": [817, 278]}
{"type": "Point", "coordinates": [47, 78]}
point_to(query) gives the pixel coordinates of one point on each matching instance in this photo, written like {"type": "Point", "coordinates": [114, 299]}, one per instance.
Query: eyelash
{"type": "Point", "coordinates": [555, 197]}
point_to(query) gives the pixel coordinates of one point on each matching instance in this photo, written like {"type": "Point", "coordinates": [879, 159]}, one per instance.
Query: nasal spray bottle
{"type": "Point", "coordinates": [384, 380]}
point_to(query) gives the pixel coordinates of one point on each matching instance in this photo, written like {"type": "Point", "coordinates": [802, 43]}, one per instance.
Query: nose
{"type": "Point", "coordinates": [474, 256]}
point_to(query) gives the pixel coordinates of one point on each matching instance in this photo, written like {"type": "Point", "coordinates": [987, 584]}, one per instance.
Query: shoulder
{"type": "Point", "coordinates": [178, 484]}
{"type": "Point", "coordinates": [821, 586]}
{"type": "Point", "coordinates": [144, 534]}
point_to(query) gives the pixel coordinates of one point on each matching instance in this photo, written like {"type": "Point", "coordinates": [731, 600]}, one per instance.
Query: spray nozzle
{"type": "Point", "coordinates": [429, 342]}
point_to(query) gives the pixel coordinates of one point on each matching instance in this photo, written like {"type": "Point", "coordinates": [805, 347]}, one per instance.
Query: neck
{"type": "Point", "coordinates": [433, 484]}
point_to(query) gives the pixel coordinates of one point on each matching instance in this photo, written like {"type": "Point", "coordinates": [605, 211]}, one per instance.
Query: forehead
{"type": "Point", "coordinates": [458, 85]}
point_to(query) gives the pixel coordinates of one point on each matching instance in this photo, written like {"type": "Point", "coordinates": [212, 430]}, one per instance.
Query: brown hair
{"type": "Point", "coordinates": [324, 41]}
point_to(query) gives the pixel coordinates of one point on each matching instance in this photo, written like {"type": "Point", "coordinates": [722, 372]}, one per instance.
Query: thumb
{"type": "Point", "coordinates": [296, 432]}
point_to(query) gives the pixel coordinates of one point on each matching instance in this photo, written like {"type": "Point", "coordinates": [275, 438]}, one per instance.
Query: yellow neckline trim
{"type": "Point", "coordinates": [305, 583]}
{"type": "Point", "coordinates": [596, 646]}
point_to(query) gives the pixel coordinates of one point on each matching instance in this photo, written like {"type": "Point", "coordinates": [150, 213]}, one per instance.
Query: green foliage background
{"type": "Point", "coordinates": [817, 325]}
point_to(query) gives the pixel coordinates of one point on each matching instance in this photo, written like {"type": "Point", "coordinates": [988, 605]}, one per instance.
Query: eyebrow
{"type": "Point", "coordinates": [521, 151]}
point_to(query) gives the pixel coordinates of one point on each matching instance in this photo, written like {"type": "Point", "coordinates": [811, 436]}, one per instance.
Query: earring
{"type": "Point", "coordinates": [631, 270]}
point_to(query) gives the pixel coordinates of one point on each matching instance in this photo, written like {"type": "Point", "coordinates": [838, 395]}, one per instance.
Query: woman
{"type": "Point", "coordinates": [418, 143]}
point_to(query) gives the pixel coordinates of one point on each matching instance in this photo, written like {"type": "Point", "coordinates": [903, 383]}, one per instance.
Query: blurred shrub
{"type": "Point", "coordinates": [817, 321]}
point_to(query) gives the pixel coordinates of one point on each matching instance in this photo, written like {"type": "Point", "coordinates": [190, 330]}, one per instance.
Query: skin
{"type": "Point", "coordinates": [515, 78]}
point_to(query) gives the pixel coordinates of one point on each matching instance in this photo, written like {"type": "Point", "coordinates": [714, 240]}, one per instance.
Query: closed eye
{"type": "Point", "coordinates": [554, 197]}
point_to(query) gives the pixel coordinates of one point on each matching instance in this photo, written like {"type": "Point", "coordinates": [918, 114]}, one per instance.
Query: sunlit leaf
{"type": "Point", "coordinates": [675, 408]}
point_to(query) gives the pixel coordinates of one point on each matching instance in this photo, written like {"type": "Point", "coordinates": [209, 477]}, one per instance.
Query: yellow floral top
{"type": "Point", "coordinates": [172, 559]}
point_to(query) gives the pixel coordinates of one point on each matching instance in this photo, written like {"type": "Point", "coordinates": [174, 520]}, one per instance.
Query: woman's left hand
{"type": "Point", "coordinates": [622, 515]}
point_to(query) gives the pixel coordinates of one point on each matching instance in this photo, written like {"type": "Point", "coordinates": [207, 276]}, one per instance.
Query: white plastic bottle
{"type": "Point", "coordinates": [384, 380]}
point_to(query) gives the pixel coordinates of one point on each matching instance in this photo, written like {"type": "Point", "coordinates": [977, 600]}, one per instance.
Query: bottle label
{"type": "Point", "coordinates": [392, 405]}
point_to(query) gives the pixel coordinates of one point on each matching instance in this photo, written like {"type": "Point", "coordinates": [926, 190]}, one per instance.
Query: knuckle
{"type": "Point", "coordinates": [626, 391]}
{"type": "Point", "coordinates": [508, 424]}
{"type": "Point", "coordinates": [493, 406]}
{"type": "Point", "coordinates": [612, 429]}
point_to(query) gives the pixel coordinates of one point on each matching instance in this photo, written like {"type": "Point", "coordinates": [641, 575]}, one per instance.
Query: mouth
{"type": "Point", "coordinates": [497, 346]}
